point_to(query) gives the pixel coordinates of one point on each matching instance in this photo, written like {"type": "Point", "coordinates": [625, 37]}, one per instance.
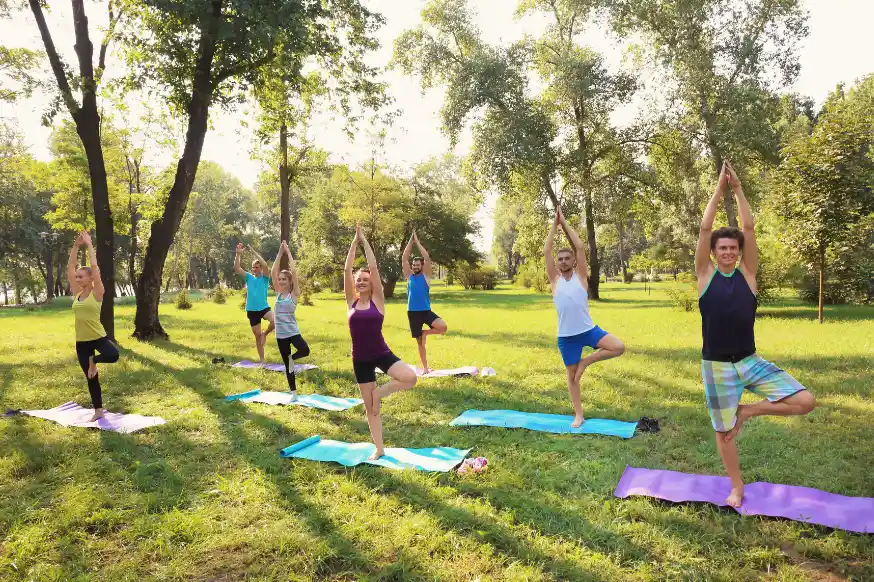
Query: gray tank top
{"type": "Point", "coordinates": [286, 322]}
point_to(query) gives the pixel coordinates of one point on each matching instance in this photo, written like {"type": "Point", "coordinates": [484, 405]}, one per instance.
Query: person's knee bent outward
{"type": "Point", "coordinates": [257, 308]}
{"type": "Point", "coordinates": [727, 302]}
{"type": "Point", "coordinates": [418, 274]}
{"type": "Point", "coordinates": [285, 315]}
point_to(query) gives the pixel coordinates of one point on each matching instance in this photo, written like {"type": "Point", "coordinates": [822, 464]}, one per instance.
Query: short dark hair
{"type": "Point", "coordinates": [420, 259]}
{"type": "Point", "coordinates": [566, 250]}
{"type": "Point", "coordinates": [727, 232]}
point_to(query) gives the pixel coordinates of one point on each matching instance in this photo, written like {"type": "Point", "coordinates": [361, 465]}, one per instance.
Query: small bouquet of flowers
{"type": "Point", "coordinates": [477, 465]}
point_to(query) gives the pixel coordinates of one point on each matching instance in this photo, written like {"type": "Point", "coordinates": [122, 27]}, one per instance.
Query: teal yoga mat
{"type": "Point", "coordinates": [440, 459]}
{"type": "Point", "coordinates": [309, 400]}
{"type": "Point", "coordinates": [555, 423]}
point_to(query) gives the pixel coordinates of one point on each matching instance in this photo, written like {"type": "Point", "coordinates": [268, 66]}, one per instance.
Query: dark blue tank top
{"type": "Point", "coordinates": [418, 294]}
{"type": "Point", "coordinates": [728, 314]}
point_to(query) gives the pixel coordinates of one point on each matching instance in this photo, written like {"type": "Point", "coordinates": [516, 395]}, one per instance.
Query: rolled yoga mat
{"type": "Point", "coordinates": [71, 414]}
{"type": "Point", "coordinates": [855, 514]}
{"type": "Point", "coordinates": [439, 459]}
{"type": "Point", "coordinates": [555, 423]}
{"type": "Point", "coordinates": [298, 368]}
{"type": "Point", "coordinates": [319, 401]}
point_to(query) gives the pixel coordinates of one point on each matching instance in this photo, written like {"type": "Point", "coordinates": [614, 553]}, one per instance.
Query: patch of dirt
{"type": "Point", "coordinates": [817, 571]}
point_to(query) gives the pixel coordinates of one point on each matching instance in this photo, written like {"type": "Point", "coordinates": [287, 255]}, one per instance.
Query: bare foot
{"type": "Point", "coordinates": [742, 417]}
{"type": "Point", "coordinates": [736, 497]}
{"type": "Point", "coordinates": [578, 421]}
{"type": "Point", "coordinates": [92, 368]}
{"type": "Point", "coordinates": [98, 414]}
{"type": "Point", "coordinates": [376, 454]}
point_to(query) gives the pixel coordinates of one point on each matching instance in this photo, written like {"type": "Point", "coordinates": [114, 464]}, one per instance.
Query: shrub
{"type": "Point", "coordinates": [479, 277]}
{"type": "Point", "coordinates": [682, 297]}
{"type": "Point", "coordinates": [532, 275]}
{"type": "Point", "coordinates": [182, 300]}
{"type": "Point", "coordinates": [629, 276]}
{"type": "Point", "coordinates": [219, 295]}
{"type": "Point", "coordinates": [685, 277]}
{"type": "Point", "coordinates": [244, 293]}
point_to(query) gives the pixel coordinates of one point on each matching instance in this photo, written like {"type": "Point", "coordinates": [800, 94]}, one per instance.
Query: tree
{"type": "Point", "coordinates": [17, 65]}
{"type": "Point", "coordinates": [722, 56]}
{"type": "Point", "coordinates": [507, 214]}
{"type": "Point", "coordinates": [86, 117]}
{"type": "Point", "coordinates": [825, 184]}
{"type": "Point", "coordinates": [201, 53]}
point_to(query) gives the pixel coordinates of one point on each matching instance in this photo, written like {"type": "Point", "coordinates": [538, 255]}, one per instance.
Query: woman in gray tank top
{"type": "Point", "coordinates": [287, 332]}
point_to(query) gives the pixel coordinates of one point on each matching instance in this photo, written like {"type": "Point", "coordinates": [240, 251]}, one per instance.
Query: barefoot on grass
{"type": "Point", "coordinates": [376, 454]}
{"type": "Point", "coordinates": [736, 497]}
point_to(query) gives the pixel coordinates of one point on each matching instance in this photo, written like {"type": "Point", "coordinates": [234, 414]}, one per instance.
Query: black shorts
{"type": "Point", "coordinates": [420, 318]}
{"type": "Point", "coordinates": [365, 370]}
{"type": "Point", "coordinates": [255, 317]}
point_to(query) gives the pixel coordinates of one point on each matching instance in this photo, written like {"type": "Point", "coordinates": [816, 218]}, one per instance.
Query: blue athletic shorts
{"type": "Point", "coordinates": [571, 347]}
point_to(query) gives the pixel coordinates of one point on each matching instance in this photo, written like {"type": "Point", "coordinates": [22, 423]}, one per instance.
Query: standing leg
{"type": "Point", "coordinates": [374, 422]}
{"type": "Point", "coordinates": [272, 320]}
{"type": "Point", "coordinates": [84, 353]}
{"type": "Point", "coordinates": [573, 388]}
{"type": "Point", "coordinates": [259, 345]}
{"type": "Point", "coordinates": [423, 353]}
{"type": "Point", "coordinates": [284, 345]}
{"type": "Point", "coordinates": [728, 451]}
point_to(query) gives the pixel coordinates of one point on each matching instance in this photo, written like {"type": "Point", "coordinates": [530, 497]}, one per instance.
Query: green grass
{"type": "Point", "coordinates": [207, 497]}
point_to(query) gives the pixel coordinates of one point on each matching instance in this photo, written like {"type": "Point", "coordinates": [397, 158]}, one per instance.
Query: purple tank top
{"type": "Point", "coordinates": [365, 326]}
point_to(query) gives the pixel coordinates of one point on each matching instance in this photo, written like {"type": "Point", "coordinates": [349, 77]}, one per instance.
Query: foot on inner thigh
{"type": "Point", "coordinates": [579, 419]}
{"type": "Point", "coordinates": [98, 414]}
{"type": "Point", "coordinates": [92, 368]}
{"type": "Point", "coordinates": [736, 497]}
{"type": "Point", "coordinates": [742, 417]}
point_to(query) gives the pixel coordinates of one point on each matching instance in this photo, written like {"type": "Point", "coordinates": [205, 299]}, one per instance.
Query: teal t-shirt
{"type": "Point", "coordinates": [256, 292]}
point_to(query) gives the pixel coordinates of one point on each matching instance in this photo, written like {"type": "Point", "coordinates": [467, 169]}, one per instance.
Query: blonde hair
{"type": "Point", "coordinates": [87, 270]}
{"type": "Point", "coordinates": [257, 262]}
{"type": "Point", "coordinates": [288, 275]}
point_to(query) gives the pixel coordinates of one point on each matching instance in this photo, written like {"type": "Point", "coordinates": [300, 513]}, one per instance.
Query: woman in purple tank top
{"type": "Point", "coordinates": [365, 302]}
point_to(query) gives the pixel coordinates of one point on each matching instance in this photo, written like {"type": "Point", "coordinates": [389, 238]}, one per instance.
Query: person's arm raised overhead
{"type": "Point", "coordinates": [579, 250]}
{"type": "Point", "coordinates": [703, 264]}
{"type": "Point", "coordinates": [274, 271]}
{"type": "Point", "coordinates": [750, 255]}
{"type": "Point", "coordinates": [71, 265]}
{"type": "Point", "coordinates": [405, 257]}
{"type": "Point", "coordinates": [427, 266]}
{"type": "Point", "coordinates": [237, 268]}
{"type": "Point", "coordinates": [551, 271]}
{"type": "Point", "coordinates": [292, 267]}
{"type": "Point", "coordinates": [348, 280]}
{"type": "Point", "coordinates": [95, 270]}
{"type": "Point", "coordinates": [375, 280]}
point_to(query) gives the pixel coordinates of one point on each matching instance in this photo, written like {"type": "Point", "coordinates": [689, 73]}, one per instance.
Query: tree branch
{"type": "Point", "coordinates": [243, 67]}
{"type": "Point", "coordinates": [54, 58]}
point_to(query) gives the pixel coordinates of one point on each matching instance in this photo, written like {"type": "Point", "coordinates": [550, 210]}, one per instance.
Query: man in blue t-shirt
{"type": "Point", "coordinates": [257, 307]}
{"type": "Point", "coordinates": [419, 312]}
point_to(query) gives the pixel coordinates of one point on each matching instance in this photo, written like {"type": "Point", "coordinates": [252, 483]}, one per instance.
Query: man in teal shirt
{"type": "Point", "coordinates": [257, 307]}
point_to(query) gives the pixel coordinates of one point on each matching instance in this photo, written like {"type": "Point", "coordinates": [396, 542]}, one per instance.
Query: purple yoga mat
{"type": "Point", "coordinates": [854, 514]}
{"type": "Point", "coordinates": [71, 414]}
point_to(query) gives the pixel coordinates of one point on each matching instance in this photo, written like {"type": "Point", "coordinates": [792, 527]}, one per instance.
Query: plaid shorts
{"type": "Point", "coordinates": [724, 383]}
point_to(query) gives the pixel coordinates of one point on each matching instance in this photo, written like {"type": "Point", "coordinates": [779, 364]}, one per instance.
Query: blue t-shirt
{"type": "Point", "coordinates": [418, 295]}
{"type": "Point", "coordinates": [256, 292]}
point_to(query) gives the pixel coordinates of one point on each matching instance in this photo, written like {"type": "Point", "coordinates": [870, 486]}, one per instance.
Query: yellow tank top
{"type": "Point", "coordinates": [87, 312]}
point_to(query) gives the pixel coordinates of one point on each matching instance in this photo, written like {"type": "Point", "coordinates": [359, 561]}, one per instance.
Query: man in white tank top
{"type": "Point", "coordinates": [570, 292]}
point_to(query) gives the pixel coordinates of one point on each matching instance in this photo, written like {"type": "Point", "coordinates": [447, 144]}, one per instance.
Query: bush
{"type": "Point", "coordinates": [629, 276]}
{"type": "Point", "coordinates": [218, 295]}
{"type": "Point", "coordinates": [685, 277]}
{"type": "Point", "coordinates": [244, 294]}
{"type": "Point", "coordinates": [682, 297]}
{"type": "Point", "coordinates": [480, 277]}
{"type": "Point", "coordinates": [182, 300]}
{"type": "Point", "coordinates": [533, 276]}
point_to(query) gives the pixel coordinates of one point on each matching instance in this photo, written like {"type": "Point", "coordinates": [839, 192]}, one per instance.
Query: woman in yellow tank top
{"type": "Point", "coordinates": [91, 338]}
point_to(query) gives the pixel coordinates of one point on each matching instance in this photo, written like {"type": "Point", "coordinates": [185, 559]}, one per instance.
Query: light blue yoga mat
{"type": "Point", "coordinates": [351, 454]}
{"type": "Point", "coordinates": [557, 423]}
{"type": "Point", "coordinates": [309, 400]}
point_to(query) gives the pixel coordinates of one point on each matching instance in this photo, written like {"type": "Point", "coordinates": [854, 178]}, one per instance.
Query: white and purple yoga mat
{"type": "Point", "coordinates": [855, 514]}
{"type": "Point", "coordinates": [298, 368]}
{"type": "Point", "coordinates": [462, 372]}
{"type": "Point", "coordinates": [71, 414]}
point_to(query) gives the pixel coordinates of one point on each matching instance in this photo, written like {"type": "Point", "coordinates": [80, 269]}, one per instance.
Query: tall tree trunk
{"type": "Point", "coordinates": [621, 229]}
{"type": "Point", "coordinates": [594, 262]}
{"type": "Point", "coordinates": [16, 286]}
{"type": "Point", "coordinates": [50, 276]}
{"type": "Point", "coordinates": [146, 322]}
{"type": "Point", "coordinates": [5, 293]}
{"type": "Point", "coordinates": [285, 196]}
{"type": "Point", "coordinates": [134, 222]}
{"type": "Point", "coordinates": [821, 280]}
{"type": "Point", "coordinates": [716, 156]}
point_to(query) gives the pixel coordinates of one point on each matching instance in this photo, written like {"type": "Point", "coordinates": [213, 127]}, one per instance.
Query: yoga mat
{"type": "Point", "coordinates": [298, 368]}
{"type": "Point", "coordinates": [440, 459]}
{"type": "Point", "coordinates": [461, 372]}
{"type": "Point", "coordinates": [855, 514]}
{"type": "Point", "coordinates": [309, 400]}
{"type": "Point", "coordinates": [557, 423]}
{"type": "Point", "coordinates": [71, 414]}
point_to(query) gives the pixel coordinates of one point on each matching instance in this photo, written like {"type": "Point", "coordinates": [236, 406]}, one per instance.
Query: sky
{"type": "Point", "coordinates": [837, 50]}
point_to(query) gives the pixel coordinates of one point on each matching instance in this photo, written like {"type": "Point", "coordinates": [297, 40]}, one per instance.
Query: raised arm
{"type": "Point", "coordinates": [348, 281]}
{"type": "Point", "coordinates": [95, 270]}
{"type": "Point", "coordinates": [292, 267]}
{"type": "Point", "coordinates": [237, 268]}
{"type": "Point", "coordinates": [405, 257]}
{"type": "Point", "coordinates": [274, 271]}
{"type": "Point", "coordinates": [750, 255]}
{"type": "Point", "coordinates": [71, 265]}
{"type": "Point", "coordinates": [375, 280]}
{"type": "Point", "coordinates": [703, 264]}
{"type": "Point", "coordinates": [579, 250]}
{"type": "Point", "coordinates": [426, 258]}
{"type": "Point", "coordinates": [551, 271]}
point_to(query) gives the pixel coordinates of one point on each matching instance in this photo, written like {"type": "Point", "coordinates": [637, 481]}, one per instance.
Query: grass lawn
{"type": "Point", "coordinates": [207, 497]}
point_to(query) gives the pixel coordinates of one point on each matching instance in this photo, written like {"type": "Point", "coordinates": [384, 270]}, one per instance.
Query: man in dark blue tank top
{"type": "Point", "coordinates": [730, 364]}
{"type": "Point", "coordinates": [419, 312]}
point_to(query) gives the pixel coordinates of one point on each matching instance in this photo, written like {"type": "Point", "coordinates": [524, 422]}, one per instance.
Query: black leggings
{"type": "Point", "coordinates": [303, 350]}
{"type": "Point", "coordinates": [108, 355]}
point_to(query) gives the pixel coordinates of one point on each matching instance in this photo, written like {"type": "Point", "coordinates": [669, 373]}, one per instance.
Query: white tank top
{"type": "Point", "coordinates": [572, 305]}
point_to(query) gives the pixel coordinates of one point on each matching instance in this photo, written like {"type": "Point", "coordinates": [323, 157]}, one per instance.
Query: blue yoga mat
{"type": "Point", "coordinates": [351, 454]}
{"type": "Point", "coordinates": [309, 400]}
{"type": "Point", "coordinates": [557, 423]}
